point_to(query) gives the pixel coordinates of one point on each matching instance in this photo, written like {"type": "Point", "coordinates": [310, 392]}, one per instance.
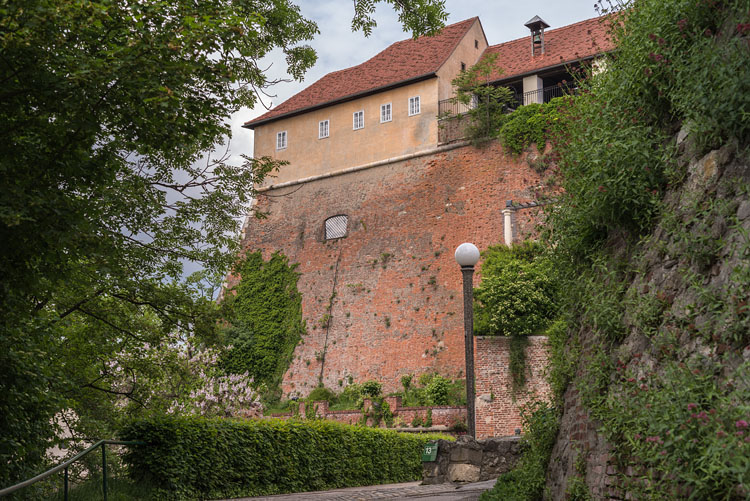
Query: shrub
{"type": "Point", "coordinates": [517, 294]}
{"type": "Point", "coordinates": [322, 393]}
{"type": "Point", "coordinates": [532, 124]}
{"type": "Point", "coordinates": [438, 389]}
{"type": "Point", "coordinates": [683, 422]}
{"type": "Point", "coordinates": [349, 398]}
{"type": "Point", "coordinates": [192, 458]}
{"type": "Point", "coordinates": [406, 381]}
{"type": "Point", "coordinates": [425, 378]}
{"type": "Point", "coordinates": [526, 481]}
{"type": "Point", "coordinates": [371, 388]}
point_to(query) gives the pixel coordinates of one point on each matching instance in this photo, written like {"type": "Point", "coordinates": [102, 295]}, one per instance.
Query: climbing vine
{"type": "Point", "coordinates": [265, 314]}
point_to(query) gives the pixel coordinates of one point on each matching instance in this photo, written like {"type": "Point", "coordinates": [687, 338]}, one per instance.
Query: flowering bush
{"type": "Point", "coordinates": [178, 376]}
{"type": "Point", "coordinates": [684, 431]}
{"type": "Point", "coordinates": [215, 393]}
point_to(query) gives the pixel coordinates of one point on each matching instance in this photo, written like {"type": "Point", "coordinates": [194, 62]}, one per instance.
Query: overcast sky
{"type": "Point", "coordinates": [339, 48]}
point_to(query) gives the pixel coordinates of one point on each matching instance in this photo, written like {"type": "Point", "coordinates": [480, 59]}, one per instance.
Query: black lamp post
{"type": "Point", "coordinates": [467, 256]}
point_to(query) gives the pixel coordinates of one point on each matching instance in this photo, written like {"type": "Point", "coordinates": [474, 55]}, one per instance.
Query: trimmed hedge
{"type": "Point", "coordinates": [193, 457]}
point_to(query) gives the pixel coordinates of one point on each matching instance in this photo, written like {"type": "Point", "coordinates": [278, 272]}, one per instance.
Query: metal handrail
{"type": "Point", "coordinates": [66, 464]}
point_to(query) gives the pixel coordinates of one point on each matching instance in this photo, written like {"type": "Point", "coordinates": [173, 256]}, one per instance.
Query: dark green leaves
{"type": "Point", "coordinates": [192, 458]}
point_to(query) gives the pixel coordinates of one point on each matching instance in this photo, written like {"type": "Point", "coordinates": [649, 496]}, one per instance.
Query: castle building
{"type": "Point", "coordinates": [377, 196]}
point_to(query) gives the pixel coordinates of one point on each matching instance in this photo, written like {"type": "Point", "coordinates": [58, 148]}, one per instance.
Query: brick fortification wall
{"type": "Point", "coordinates": [497, 409]}
{"type": "Point", "coordinates": [396, 288]}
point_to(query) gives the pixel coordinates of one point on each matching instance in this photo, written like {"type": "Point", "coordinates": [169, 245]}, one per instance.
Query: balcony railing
{"type": "Point", "coordinates": [452, 107]}
{"type": "Point", "coordinates": [546, 94]}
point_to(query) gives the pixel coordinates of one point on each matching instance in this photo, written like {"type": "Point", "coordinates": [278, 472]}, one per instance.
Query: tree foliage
{"type": "Point", "coordinates": [112, 113]}
{"type": "Point", "coordinates": [487, 103]}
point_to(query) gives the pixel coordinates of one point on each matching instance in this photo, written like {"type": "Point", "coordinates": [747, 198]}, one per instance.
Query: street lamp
{"type": "Point", "coordinates": [467, 256]}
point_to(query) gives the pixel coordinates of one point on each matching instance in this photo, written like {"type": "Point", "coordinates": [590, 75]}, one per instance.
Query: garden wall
{"type": "Point", "coordinates": [443, 417]}
{"type": "Point", "coordinates": [497, 407]}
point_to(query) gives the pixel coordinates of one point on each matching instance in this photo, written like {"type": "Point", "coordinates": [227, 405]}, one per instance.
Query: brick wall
{"type": "Point", "coordinates": [443, 417]}
{"type": "Point", "coordinates": [497, 409]}
{"type": "Point", "coordinates": [396, 288]}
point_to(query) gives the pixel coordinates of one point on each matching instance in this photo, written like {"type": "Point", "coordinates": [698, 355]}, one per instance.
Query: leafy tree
{"type": "Point", "coordinates": [487, 103]}
{"type": "Point", "coordinates": [106, 109]}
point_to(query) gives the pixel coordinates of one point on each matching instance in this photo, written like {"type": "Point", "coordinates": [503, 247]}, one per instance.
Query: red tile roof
{"type": "Point", "coordinates": [402, 62]}
{"type": "Point", "coordinates": [562, 45]}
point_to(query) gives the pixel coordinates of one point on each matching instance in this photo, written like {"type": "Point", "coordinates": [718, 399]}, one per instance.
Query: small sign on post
{"type": "Point", "coordinates": [429, 453]}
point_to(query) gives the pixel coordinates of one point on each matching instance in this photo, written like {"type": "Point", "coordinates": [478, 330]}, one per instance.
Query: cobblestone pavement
{"type": "Point", "coordinates": [411, 491]}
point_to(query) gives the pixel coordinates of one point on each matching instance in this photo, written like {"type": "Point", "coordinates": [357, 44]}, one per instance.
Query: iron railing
{"type": "Point", "coordinates": [66, 465]}
{"type": "Point", "coordinates": [451, 107]}
{"type": "Point", "coordinates": [546, 94]}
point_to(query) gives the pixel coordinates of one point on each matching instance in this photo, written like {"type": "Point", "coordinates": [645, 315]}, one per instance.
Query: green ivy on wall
{"type": "Point", "coordinates": [265, 317]}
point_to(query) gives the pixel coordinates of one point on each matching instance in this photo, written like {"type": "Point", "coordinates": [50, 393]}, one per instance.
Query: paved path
{"type": "Point", "coordinates": [410, 491]}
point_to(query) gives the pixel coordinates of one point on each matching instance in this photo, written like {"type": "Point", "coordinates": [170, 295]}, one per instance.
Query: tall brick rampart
{"type": "Point", "coordinates": [392, 282]}
{"type": "Point", "coordinates": [497, 407]}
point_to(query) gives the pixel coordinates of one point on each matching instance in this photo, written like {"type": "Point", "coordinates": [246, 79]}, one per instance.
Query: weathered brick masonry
{"type": "Point", "coordinates": [395, 288]}
{"type": "Point", "coordinates": [497, 409]}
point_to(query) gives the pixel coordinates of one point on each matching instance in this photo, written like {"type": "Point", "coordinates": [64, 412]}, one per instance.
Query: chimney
{"type": "Point", "coordinates": [536, 24]}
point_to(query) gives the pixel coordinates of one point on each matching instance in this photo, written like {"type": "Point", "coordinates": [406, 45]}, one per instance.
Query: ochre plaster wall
{"type": "Point", "coordinates": [397, 307]}
{"type": "Point", "coordinates": [465, 53]}
{"type": "Point", "coordinates": [309, 156]}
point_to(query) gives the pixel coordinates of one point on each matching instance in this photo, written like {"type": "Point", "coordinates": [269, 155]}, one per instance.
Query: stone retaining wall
{"type": "Point", "coordinates": [468, 460]}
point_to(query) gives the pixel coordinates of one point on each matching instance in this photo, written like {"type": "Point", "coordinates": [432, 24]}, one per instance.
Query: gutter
{"type": "Point", "coordinates": [253, 124]}
{"type": "Point", "coordinates": [410, 156]}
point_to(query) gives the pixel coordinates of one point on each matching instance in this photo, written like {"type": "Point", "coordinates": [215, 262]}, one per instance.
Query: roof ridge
{"type": "Point", "coordinates": [547, 32]}
{"type": "Point", "coordinates": [397, 42]}
{"type": "Point", "coordinates": [435, 45]}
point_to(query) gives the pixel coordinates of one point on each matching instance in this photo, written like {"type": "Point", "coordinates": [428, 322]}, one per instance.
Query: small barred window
{"type": "Point", "coordinates": [336, 226]}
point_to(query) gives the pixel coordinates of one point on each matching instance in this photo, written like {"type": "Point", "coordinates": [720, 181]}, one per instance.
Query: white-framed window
{"type": "Point", "coordinates": [322, 129]}
{"type": "Point", "coordinates": [385, 113]}
{"type": "Point", "coordinates": [414, 106]}
{"type": "Point", "coordinates": [281, 140]}
{"type": "Point", "coordinates": [336, 226]}
{"type": "Point", "coordinates": [358, 120]}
